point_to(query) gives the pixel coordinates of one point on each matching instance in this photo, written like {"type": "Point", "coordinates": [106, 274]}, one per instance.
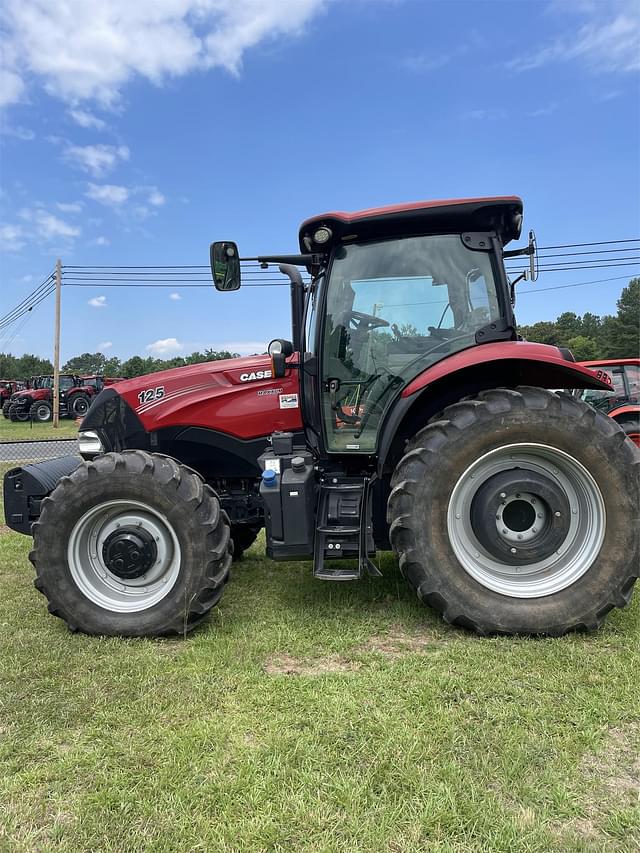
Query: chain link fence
{"type": "Point", "coordinates": [33, 450]}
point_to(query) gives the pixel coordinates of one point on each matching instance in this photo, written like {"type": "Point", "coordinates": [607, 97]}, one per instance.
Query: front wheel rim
{"type": "Point", "coordinates": [89, 541]}
{"type": "Point", "coordinates": [572, 557]}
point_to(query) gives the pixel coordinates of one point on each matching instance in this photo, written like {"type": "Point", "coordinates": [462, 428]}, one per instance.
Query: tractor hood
{"type": "Point", "coordinates": [234, 396]}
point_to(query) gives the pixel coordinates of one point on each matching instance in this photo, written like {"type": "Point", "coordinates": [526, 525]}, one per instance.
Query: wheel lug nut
{"type": "Point", "coordinates": [557, 514]}
{"type": "Point", "coordinates": [539, 515]}
{"type": "Point", "coordinates": [517, 494]}
{"type": "Point", "coordinates": [519, 535]}
{"type": "Point", "coordinates": [533, 530]}
{"type": "Point", "coordinates": [514, 550]}
{"type": "Point", "coordinates": [503, 494]}
{"type": "Point", "coordinates": [504, 529]}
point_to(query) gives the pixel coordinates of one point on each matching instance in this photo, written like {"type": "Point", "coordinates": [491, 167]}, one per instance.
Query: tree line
{"type": "Point", "coordinates": [21, 367]}
{"type": "Point", "coordinates": [589, 336]}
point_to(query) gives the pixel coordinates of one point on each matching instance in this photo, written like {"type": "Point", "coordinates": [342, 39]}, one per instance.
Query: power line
{"type": "Point", "coordinates": [26, 300]}
{"type": "Point", "coordinates": [28, 308]}
{"type": "Point", "coordinates": [596, 243]}
{"type": "Point", "coordinates": [576, 284]}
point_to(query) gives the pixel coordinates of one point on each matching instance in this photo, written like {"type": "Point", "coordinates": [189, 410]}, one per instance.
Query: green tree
{"type": "Point", "coordinates": [88, 362]}
{"type": "Point", "coordinates": [32, 365]}
{"type": "Point", "coordinates": [544, 332]}
{"type": "Point", "coordinates": [625, 330]}
{"type": "Point", "coordinates": [8, 366]}
{"type": "Point", "coordinates": [584, 348]}
{"type": "Point", "coordinates": [568, 325]}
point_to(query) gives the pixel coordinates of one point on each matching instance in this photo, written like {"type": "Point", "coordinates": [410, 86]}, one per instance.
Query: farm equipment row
{"type": "Point", "coordinates": [35, 401]}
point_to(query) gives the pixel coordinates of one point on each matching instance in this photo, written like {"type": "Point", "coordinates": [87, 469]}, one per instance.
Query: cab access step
{"type": "Point", "coordinates": [309, 513]}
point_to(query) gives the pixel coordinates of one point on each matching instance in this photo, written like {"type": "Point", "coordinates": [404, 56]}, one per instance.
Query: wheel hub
{"type": "Point", "coordinates": [491, 527]}
{"type": "Point", "coordinates": [129, 552]}
{"type": "Point", "coordinates": [520, 516]}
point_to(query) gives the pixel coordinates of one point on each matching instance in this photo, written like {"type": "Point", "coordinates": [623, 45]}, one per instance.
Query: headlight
{"type": "Point", "coordinates": [89, 443]}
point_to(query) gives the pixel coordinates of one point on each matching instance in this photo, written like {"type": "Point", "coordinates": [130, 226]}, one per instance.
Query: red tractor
{"type": "Point", "coordinates": [622, 401]}
{"type": "Point", "coordinates": [36, 402]}
{"type": "Point", "coordinates": [404, 413]}
{"type": "Point", "coordinates": [8, 387]}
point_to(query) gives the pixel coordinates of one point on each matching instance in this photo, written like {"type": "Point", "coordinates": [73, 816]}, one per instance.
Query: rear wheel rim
{"type": "Point", "coordinates": [573, 556]}
{"type": "Point", "coordinates": [86, 550]}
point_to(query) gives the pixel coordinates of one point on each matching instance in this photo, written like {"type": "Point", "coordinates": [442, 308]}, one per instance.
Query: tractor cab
{"type": "Point", "coordinates": [393, 291]}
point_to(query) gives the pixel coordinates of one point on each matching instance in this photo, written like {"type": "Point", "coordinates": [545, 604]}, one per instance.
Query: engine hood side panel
{"type": "Point", "coordinates": [237, 397]}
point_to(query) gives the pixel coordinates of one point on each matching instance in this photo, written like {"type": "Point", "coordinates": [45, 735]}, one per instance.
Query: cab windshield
{"type": "Point", "coordinates": [393, 309]}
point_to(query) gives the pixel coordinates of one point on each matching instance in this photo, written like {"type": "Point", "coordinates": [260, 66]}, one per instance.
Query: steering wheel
{"type": "Point", "coordinates": [366, 322]}
{"type": "Point", "coordinates": [444, 334]}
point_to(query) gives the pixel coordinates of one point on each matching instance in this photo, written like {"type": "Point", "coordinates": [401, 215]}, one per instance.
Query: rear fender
{"type": "Point", "coordinates": [623, 412]}
{"type": "Point", "coordinates": [498, 365]}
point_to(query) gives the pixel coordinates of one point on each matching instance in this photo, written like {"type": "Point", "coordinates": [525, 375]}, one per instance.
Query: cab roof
{"type": "Point", "coordinates": [502, 214]}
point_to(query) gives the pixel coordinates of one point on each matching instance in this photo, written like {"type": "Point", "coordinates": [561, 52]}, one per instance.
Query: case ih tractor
{"type": "Point", "coordinates": [622, 401]}
{"type": "Point", "coordinates": [8, 387]}
{"type": "Point", "coordinates": [404, 413]}
{"type": "Point", "coordinates": [36, 402]}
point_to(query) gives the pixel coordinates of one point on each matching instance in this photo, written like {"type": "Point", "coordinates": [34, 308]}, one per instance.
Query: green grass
{"type": "Point", "coordinates": [307, 716]}
{"type": "Point", "coordinates": [16, 431]}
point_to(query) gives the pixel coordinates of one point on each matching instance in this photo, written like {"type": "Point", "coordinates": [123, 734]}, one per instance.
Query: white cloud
{"type": "Point", "coordinates": [96, 159]}
{"type": "Point", "coordinates": [47, 226]}
{"type": "Point", "coordinates": [19, 132]}
{"type": "Point", "coordinates": [98, 302]}
{"type": "Point", "coordinates": [12, 238]}
{"type": "Point", "coordinates": [156, 198]}
{"type": "Point", "coordinates": [607, 41]}
{"type": "Point", "coordinates": [41, 226]}
{"type": "Point", "coordinates": [105, 45]}
{"type": "Point", "coordinates": [101, 241]}
{"type": "Point", "coordinates": [86, 119]}
{"type": "Point", "coordinates": [69, 207]}
{"type": "Point", "coordinates": [105, 345]}
{"type": "Point", "coordinates": [175, 296]}
{"type": "Point", "coordinates": [165, 346]}
{"type": "Point", "coordinates": [109, 194]}
{"type": "Point", "coordinates": [11, 87]}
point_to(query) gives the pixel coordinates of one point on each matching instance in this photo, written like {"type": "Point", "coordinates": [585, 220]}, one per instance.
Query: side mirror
{"type": "Point", "coordinates": [225, 265]}
{"type": "Point", "coordinates": [279, 350]}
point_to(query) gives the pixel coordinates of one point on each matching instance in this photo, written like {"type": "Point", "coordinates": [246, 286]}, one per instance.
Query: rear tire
{"type": "Point", "coordinates": [243, 535]}
{"type": "Point", "coordinates": [131, 544]}
{"type": "Point", "coordinates": [5, 408]}
{"type": "Point", "coordinates": [447, 513]}
{"type": "Point", "coordinates": [41, 412]}
{"type": "Point", "coordinates": [631, 426]}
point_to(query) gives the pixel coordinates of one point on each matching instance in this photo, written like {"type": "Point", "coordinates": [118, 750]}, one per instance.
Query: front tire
{"type": "Point", "coordinates": [516, 512]}
{"type": "Point", "coordinates": [18, 414]}
{"type": "Point", "coordinates": [79, 405]}
{"type": "Point", "coordinates": [131, 544]}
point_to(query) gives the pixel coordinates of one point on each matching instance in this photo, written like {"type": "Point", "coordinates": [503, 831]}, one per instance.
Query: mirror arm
{"type": "Point", "coordinates": [300, 260]}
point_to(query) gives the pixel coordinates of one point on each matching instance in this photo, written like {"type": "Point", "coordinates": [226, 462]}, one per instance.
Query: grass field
{"type": "Point", "coordinates": [307, 716]}
{"type": "Point", "coordinates": [15, 431]}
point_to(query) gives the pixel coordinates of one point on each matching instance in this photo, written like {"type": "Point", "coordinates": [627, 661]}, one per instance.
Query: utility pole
{"type": "Point", "coordinates": [56, 349]}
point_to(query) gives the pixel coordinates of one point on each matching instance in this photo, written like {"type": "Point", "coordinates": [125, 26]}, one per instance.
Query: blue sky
{"type": "Point", "coordinates": [135, 133]}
